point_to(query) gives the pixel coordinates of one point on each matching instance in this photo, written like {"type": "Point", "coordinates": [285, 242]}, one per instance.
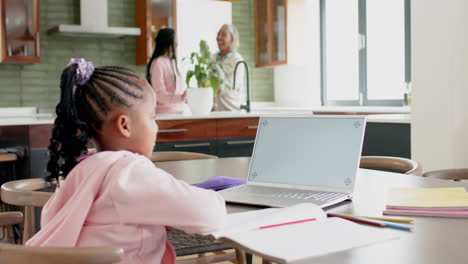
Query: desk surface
{"type": "Point", "coordinates": [433, 240]}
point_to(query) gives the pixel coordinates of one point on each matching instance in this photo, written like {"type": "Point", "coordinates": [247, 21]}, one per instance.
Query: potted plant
{"type": "Point", "coordinates": [209, 75]}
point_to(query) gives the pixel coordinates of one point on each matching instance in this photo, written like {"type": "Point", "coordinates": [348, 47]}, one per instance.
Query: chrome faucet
{"type": "Point", "coordinates": [247, 105]}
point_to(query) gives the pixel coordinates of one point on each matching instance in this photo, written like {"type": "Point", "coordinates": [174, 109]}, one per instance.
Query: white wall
{"type": "Point", "coordinates": [199, 20]}
{"type": "Point", "coordinates": [298, 83]}
{"type": "Point", "coordinates": [439, 137]}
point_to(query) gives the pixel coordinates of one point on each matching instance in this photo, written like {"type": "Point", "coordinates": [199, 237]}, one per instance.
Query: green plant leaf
{"type": "Point", "coordinates": [214, 83]}
{"type": "Point", "coordinates": [189, 76]}
{"type": "Point", "coordinates": [207, 71]}
{"type": "Point", "coordinates": [204, 50]}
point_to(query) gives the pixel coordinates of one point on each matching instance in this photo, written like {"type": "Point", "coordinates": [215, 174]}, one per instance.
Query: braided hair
{"type": "Point", "coordinates": [164, 42]}
{"type": "Point", "coordinates": [82, 108]}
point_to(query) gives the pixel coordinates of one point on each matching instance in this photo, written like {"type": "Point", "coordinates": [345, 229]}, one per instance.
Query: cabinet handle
{"type": "Point", "coordinates": [192, 145]}
{"type": "Point", "coordinates": [252, 127]}
{"type": "Point", "coordinates": [173, 130]}
{"type": "Point", "coordinates": [37, 43]}
{"type": "Point", "coordinates": [240, 142]}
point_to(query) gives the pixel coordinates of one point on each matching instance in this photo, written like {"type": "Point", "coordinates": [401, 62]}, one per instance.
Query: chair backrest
{"type": "Point", "coordinates": [450, 174]}
{"type": "Point", "coordinates": [179, 155]}
{"type": "Point", "coordinates": [22, 193]}
{"type": "Point", "coordinates": [11, 218]}
{"type": "Point", "coordinates": [15, 254]}
{"type": "Point", "coordinates": [396, 164]}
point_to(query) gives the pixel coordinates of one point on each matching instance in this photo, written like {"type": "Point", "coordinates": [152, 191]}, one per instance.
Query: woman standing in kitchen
{"type": "Point", "coordinates": [163, 75]}
{"type": "Point", "coordinates": [229, 98]}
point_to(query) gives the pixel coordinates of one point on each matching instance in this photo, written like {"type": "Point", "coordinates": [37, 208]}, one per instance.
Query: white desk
{"type": "Point", "coordinates": [433, 241]}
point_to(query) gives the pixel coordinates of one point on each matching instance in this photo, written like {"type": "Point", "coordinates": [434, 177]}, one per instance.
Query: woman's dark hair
{"type": "Point", "coordinates": [82, 108]}
{"type": "Point", "coordinates": [164, 42]}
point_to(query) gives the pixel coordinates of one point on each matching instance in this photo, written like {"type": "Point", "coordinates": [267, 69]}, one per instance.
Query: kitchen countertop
{"type": "Point", "coordinates": [15, 117]}
{"type": "Point", "coordinates": [265, 107]}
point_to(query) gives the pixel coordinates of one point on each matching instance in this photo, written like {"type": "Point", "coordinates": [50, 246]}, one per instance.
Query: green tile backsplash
{"type": "Point", "coordinates": [37, 84]}
{"type": "Point", "coordinates": [262, 79]}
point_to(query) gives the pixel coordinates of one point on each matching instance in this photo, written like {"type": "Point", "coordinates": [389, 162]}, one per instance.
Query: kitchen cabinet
{"type": "Point", "coordinates": [35, 138]}
{"type": "Point", "coordinates": [239, 147]}
{"type": "Point", "coordinates": [234, 137]}
{"type": "Point", "coordinates": [202, 146]}
{"type": "Point", "coordinates": [223, 137]}
{"type": "Point", "coordinates": [387, 139]}
{"type": "Point", "coordinates": [186, 130]}
{"type": "Point", "coordinates": [19, 31]}
{"type": "Point", "coordinates": [236, 128]}
{"type": "Point", "coordinates": [271, 32]}
{"type": "Point", "coordinates": [151, 16]}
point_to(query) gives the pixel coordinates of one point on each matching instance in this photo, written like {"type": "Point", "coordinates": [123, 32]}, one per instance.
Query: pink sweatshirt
{"type": "Point", "coordinates": [169, 91]}
{"type": "Point", "coordinates": [118, 198]}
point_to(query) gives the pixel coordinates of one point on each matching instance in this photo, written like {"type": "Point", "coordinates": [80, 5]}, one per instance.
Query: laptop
{"type": "Point", "coordinates": [302, 159]}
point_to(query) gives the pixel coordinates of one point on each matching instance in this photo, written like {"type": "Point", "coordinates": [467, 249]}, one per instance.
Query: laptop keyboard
{"type": "Point", "coordinates": [293, 194]}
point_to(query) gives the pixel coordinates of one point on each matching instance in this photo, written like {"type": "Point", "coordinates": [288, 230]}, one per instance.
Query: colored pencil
{"type": "Point", "coordinates": [371, 222]}
{"type": "Point", "coordinates": [357, 220]}
{"type": "Point", "coordinates": [397, 220]}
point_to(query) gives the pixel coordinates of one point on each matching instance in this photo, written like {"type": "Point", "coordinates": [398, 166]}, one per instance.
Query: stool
{"type": "Point", "coordinates": [7, 170]}
{"type": "Point", "coordinates": [8, 161]}
{"type": "Point", "coordinates": [8, 173]}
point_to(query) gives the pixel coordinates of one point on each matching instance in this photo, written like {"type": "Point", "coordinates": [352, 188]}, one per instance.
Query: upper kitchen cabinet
{"type": "Point", "coordinates": [19, 31]}
{"type": "Point", "coordinates": [271, 32]}
{"type": "Point", "coordinates": [151, 16]}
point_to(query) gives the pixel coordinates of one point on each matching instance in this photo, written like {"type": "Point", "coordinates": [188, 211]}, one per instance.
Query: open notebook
{"type": "Point", "coordinates": [298, 242]}
{"type": "Point", "coordinates": [302, 159]}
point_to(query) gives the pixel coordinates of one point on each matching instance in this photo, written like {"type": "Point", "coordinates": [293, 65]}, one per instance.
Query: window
{"type": "Point", "coordinates": [365, 58]}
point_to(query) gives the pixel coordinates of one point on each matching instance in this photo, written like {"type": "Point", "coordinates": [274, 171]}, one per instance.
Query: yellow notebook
{"type": "Point", "coordinates": [428, 198]}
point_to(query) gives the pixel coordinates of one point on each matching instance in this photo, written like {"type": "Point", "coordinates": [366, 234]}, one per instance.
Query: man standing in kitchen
{"type": "Point", "coordinates": [229, 98]}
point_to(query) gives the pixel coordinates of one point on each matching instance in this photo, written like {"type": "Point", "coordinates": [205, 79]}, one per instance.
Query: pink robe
{"type": "Point", "coordinates": [168, 90]}
{"type": "Point", "coordinates": [121, 199]}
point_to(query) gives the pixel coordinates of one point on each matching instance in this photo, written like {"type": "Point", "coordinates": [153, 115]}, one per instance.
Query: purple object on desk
{"type": "Point", "coordinates": [219, 183]}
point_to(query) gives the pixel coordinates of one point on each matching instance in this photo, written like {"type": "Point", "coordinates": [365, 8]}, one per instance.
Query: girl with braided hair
{"type": "Point", "coordinates": [163, 75]}
{"type": "Point", "coordinates": [117, 196]}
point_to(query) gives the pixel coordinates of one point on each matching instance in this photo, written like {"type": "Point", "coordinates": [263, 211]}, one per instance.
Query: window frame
{"type": "Point", "coordinates": [362, 31]}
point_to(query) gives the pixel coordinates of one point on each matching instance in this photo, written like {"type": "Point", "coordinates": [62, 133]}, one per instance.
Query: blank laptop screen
{"type": "Point", "coordinates": [308, 151]}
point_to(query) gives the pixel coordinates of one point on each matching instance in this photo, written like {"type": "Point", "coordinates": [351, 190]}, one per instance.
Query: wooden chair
{"type": "Point", "coordinates": [7, 173]}
{"type": "Point", "coordinates": [22, 193]}
{"type": "Point", "coordinates": [450, 174]}
{"type": "Point", "coordinates": [14, 254]}
{"type": "Point", "coordinates": [159, 156]}
{"type": "Point", "coordinates": [394, 164]}
{"type": "Point", "coordinates": [8, 157]}
{"type": "Point", "coordinates": [11, 218]}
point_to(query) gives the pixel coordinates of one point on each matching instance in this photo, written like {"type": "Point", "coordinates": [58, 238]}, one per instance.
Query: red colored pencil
{"type": "Point", "coordinates": [357, 220]}
{"type": "Point", "coordinates": [287, 223]}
